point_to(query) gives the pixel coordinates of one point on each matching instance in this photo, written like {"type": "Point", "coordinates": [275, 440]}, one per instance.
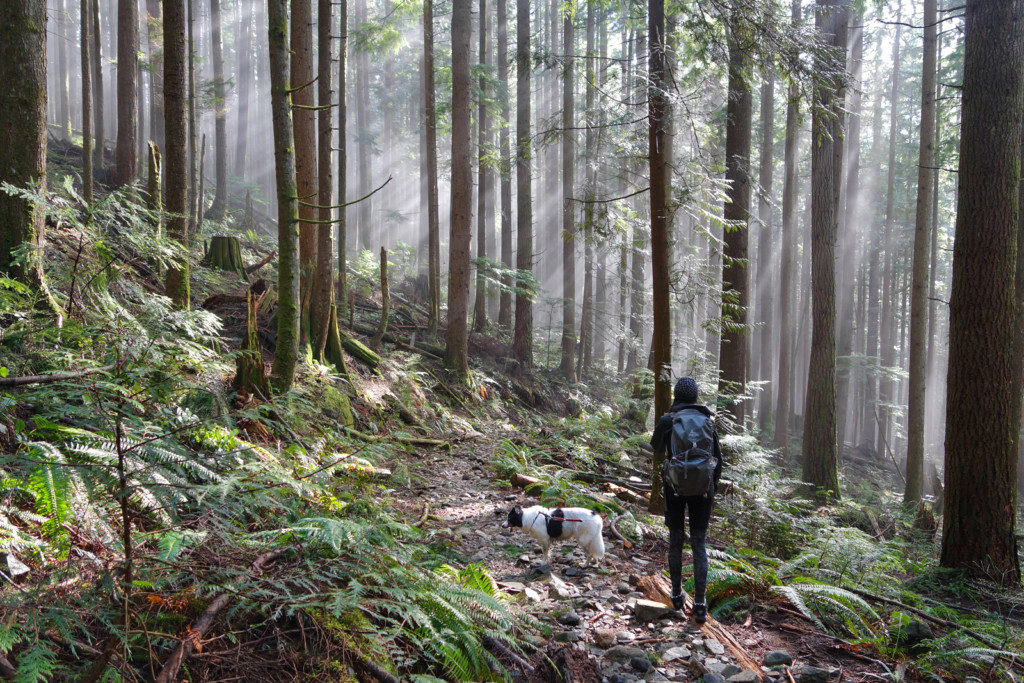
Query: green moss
{"type": "Point", "coordinates": [336, 405]}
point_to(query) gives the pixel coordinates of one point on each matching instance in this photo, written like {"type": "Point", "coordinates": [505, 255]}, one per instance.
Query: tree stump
{"type": "Point", "coordinates": [225, 253]}
{"type": "Point", "coordinates": [250, 374]}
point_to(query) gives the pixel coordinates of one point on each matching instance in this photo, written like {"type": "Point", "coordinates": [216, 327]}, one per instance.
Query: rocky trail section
{"type": "Point", "coordinates": [608, 623]}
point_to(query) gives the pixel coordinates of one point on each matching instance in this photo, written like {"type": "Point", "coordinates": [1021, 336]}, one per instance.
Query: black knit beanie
{"type": "Point", "coordinates": [686, 390]}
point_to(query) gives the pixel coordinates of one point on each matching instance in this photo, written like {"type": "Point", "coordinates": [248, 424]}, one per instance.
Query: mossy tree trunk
{"type": "Point", "coordinates": [286, 354]}
{"type": "Point", "coordinates": [567, 367]}
{"type": "Point", "coordinates": [504, 167]}
{"type": "Point", "coordinates": [250, 374]}
{"type": "Point", "coordinates": [23, 134]}
{"type": "Point", "coordinates": [127, 90]}
{"type": "Point", "coordinates": [220, 116]}
{"type": "Point", "coordinates": [385, 297]}
{"type": "Point", "coordinates": [302, 74]}
{"type": "Point", "coordinates": [433, 209]}
{"type": "Point", "coordinates": [85, 44]}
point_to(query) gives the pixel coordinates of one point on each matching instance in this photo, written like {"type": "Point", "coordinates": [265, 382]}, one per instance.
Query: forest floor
{"type": "Point", "coordinates": [593, 609]}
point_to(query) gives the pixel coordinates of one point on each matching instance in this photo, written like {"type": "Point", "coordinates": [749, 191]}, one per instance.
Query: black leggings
{"type": "Point", "coordinates": [675, 518]}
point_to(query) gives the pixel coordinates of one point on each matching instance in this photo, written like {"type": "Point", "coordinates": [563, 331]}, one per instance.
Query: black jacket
{"type": "Point", "coordinates": [663, 432]}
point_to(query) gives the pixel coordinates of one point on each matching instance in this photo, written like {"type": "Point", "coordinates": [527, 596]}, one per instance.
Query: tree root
{"type": "Point", "coordinates": [53, 377]}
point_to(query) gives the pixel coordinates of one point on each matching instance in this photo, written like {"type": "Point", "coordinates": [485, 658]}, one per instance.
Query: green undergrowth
{"type": "Point", "coordinates": [133, 497]}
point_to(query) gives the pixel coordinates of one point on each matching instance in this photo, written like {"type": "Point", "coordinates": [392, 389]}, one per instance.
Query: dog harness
{"type": "Point", "coordinates": [553, 526]}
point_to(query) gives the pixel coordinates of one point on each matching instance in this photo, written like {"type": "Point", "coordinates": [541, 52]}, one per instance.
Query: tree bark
{"type": "Point", "coordinates": [978, 531]}
{"type": "Point", "coordinates": [175, 131]}
{"type": "Point", "coordinates": [919, 289]}
{"type": "Point", "coordinates": [886, 313]}
{"type": "Point", "coordinates": [155, 30]}
{"type": "Point", "coordinates": [341, 298]}
{"type": "Point", "coordinates": [286, 353]}
{"type": "Point", "coordinates": [433, 209]}
{"type": "Point", "coordinates": [86, 66]}
{"type": "Point", "coordinates": [733, 353]}
{"type": "Point", "coordinates": [586, 344]}
{"type": "Point", "coordinates": [364, 227]}
{"type": "Point", "coordinates": [220, 115]}
{"type": "Point", "coordinates": [658, 141]}
{"type": "Point", "coordinates": [302, 74]}
{"type": "Point", "coordinates": [483, 141]}
{"type": "Point", "coordinates": [323, 276]}
{"type": "Point", "coordinates": [522, 334]}
{"type": "Point", "coordinates": [820, 450]}
{"type": "Point", "coordinates": [96, 57]}
{"type": "Point", "coordinates": [127, 93]}
{"type": "Point", "coordinates": [505, 168]}
{"type": "Point", "coordinates": [23, 131]}
{"type": "Point", "coordinates": [462, 194]}
{"type": "Point", "coordinates": [567, 368]}
{"type": "Point", "coordinates": [244, 61]}
{"type": "Point", "coordinates": [848, 233]}
{"type": "Point", "coordinates": [63, 73]}
{"type": "Point", "coordinates": [765, 271]}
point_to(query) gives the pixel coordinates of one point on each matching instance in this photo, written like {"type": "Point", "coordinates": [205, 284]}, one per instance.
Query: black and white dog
{"type": "Point", "coordinates": [560, 524]}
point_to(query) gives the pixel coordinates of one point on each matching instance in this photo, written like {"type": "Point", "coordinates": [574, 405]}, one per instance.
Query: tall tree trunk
{"type": "Point", "coordinates": [155, 30]}
{"type": "Point", "coordinates": [919, 289]}
{"type": "Point", "coordinates": [244, 66]}
{"type": "Point", "coordinates": [849, 231]}
{"type": "Point", "coordinates": [23, 131]}
{"type": "Point", "coordinates": [820, 455]}
{"type": "Point", "coordinates": [978, 531]}
{"type": "Point", "coordinates": [176, 147]}
{"type": "Point", "coordinates": [658, 141]}
{"type": "Point", "coordinates": [483, 142]}
{"type": "Point", "coordinates": [63, 72]}
{"type": "Point", "coordinates": [96, 57]}
{"type": "Point", "coordinates": [887, 314]}
{"type": "Point", "coordinates": [220, 116]}
{"type": "Point", "coordinates": [586, 345]}
{"type": "Point", "coordinates": [127, 104]}
{"type": "Point", "coordinates": [286, 353]}
{"type": "Point", "coordinates": [433, 209]}
{"type": "Point", "coordinates": [194, 185]}
{"type": "Point", "coordinates": [567, 367]}
{"type": "Point", "coordinates": [933, 408]}
{"type": "Point", "coordinates": [304, 121]}
{"type": "Point", "coordinates": [323, 278]}
{"type": "Point", "coordinates": [600, 324]}
{"type": "Point", "coordinates": [364, 209]}
{"type": "Point", "coordinates": [341, 308]}
{"type": "Point", "coordinates": [733, 354]}
{"type": "Point", "coordinates": [462, 195]}
{"type": "Point", "coordinates": [86, 66]}
{"type": "Point", "coordinates": [522, 334]}
{"type": "Point", "coordinates": [870, 422]}
{"type": "Point", "coordinates": [505, 168]}
{"type": "Point", "coordinates": [765, 271]}
{"type": "Point", "coordinates": [623, 300]}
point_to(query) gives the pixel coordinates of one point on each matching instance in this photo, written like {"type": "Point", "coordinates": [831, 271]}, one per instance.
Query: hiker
{"type": "Point", "coordinates": [693, 466]}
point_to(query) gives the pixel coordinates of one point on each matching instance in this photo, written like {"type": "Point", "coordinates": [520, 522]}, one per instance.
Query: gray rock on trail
{"type": "Point", "coordinates": [624, 653]}
{"type": "Point", "coordinates": [558, 589]}
{"type": "Point", "coordinates": [810, 674]}
{"type": "Point", "coordinates": [640, 663]}
{"type": "Point", "coordinates": [567, 637]}
{"type": "Point", "coordinates": [648, 610]}
{"type": "Point", "coordinates": [714, 647]}
{"type": "Point", "coordinates": [777, 658]}
{"type": "Point", "coordinates": [624, 588]}
{"type": "Point", "coordinates": [569, 619]}
{"type": "Point", "coordinates": [674, 653]}
{"type": "Point", "coordinates": [746, 676]}
{"type": "Point", "coordinates": [730, 670]}
{"type": "Point", "coordinates": [713, 678]}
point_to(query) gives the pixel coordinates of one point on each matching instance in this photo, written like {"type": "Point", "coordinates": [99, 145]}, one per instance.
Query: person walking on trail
{"type": "Point", "coordinates": [693, 466]}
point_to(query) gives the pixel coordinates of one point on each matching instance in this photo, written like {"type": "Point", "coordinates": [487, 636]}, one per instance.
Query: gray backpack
{"type": "Point", "coordinates": [691, 463]}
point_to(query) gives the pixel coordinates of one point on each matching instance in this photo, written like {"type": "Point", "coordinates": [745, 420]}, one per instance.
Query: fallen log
{"type": "Point", "coordinates": [196, 632]}
{"type": "Point", "coordinates": [53, 377]}
{"type": "Point", "coordinates": [249, 270]}
{"type": "Point", "coordinates": [627, 495]}
{"type": "Point", "coordinates": [499, 648]}
{"type": "Point", "coordinates": [526, 482]}
{"type": "Point", "coordinates": [657, 588]}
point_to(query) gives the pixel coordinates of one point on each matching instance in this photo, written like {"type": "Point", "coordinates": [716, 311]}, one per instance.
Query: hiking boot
{"type": "Point", "coordinates": [677, 601]}
{"type": "Point", "coordinates": [700, 612]}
